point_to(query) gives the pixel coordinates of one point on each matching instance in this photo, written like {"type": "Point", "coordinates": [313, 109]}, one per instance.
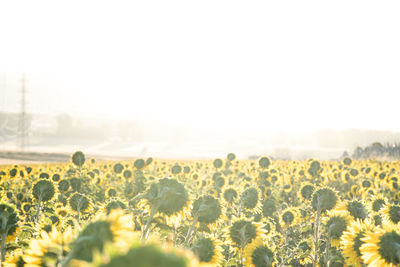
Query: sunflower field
{"type": "Point", "coordinates": [222, 212]}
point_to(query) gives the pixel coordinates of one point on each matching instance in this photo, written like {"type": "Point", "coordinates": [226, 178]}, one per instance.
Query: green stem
{"type": "Point", "coordinates": [189, 233]}
{"type": "Point", "coordinates": [327, 248]}
{"type": "Point", "coordinates": [316, 237]}
{"type": "Point", "coordinates": [3, 248]}
{"type": "Point", "coordinates": [146, 228]}
{"type": "Point", "coordinates": [39, 209]}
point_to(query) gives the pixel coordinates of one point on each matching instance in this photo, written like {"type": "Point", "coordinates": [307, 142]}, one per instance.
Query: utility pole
{"type": "Point", "coordinates": [23, 131]}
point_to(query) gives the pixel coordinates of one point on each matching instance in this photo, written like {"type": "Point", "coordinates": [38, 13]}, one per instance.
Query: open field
{"type": "Point", "coordinates": [222, 212]}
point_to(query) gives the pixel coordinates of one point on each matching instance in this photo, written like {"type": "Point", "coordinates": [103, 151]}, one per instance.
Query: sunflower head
{"type": "Point", "coordinates": [230, 194]}
{"type": "Point", "coordinates": [43, 190]}
{"type": "Point", "coordinates": [377, 203]}
{"type": "Point", "coordinates": [391, 214]}
{"type": "Point", "coordinates": [250, 198]}
{"type": "Point", "coordinates": [118, 167]}
{"type": "Point", "coordinates": [324, 199]}
{"type": "Point", "coordinates": [115, 228]}
{"type": "Point", "coordinates": [243, 232]}
{"type": "Point", "coordinates": [114, 204]}
{"type": "Point", "coordinates": [289, 217]}
{"type": "Point", "coordinates": [264, 162]}
{"type": "Point", "coordinates": [357, 209]}
{"type": "Point", "coordinates": [269, 208]}
{"type": "Point", "coordinates": [79, 202]}
{"type": "Point", "coordinates": [336, 224]}
{"type": "Point", "coordinates": [111, 192]}
{"type": "Point", "coordinates": [218, 163]}
{"type": "Point", "coordinates": [381, 247]}
{"type": "Point", "coordinates": [306, 191]}
{"type": "Point", "coordinates": [351, 241]}
{"type": "Point", "coordinates": [206, 209]}
{"type": "Point", "coordinates": [259, 254]}
{"type": "Point", "coordinates": [168, 196]}
{"type": "Point", "coordinates": [315, 168]}
{"type": "Point", "coordinates": [208, 250]}
{"type": "Point", "coordinates": [139, 164]}
{"type": "Point", "coordinates": [148, 255]}
{"type": "Point", "coordinates": [78, 158]}
{"type": "Point", "coordinates": [63, 185]}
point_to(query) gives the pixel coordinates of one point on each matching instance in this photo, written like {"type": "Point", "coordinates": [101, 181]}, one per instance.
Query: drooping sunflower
{"type": "Point", "coordinates": [324, 199]}
{"type": "Point", "coordinates": [243, 232]}
{"type": "Point", "coordinates": [350, 241]}
{"type": "Point", "coordinates": [335, 224]}
{"type": "Point", "coordinates": [381, 247]}
{"type": "Point", "coordinates": [269, 208]}
{"type": "Point", "coordinates": [43, 190]}
{"type": "Point", "coordinates": [206, 209]}
{"type": "Point", "coordinates": [250, 199]}
{"type": "Point", "coordinates": [230, 194]}
{"type": "Point", "coordinates": [168, 196]}
{"type": "Point", "coordinates": [208, 250]}
{"type": "Point", "coordinates": [306, 191]}
{"type": "Point", "coordinates": [259, 254]}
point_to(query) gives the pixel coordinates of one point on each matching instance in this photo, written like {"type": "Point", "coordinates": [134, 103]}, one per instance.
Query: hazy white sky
{"type": "Point", "coordinates": [260, 65]}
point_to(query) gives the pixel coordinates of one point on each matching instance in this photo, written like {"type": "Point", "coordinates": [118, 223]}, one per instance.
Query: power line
{"type": "Point", "coordinates": [23, 125]}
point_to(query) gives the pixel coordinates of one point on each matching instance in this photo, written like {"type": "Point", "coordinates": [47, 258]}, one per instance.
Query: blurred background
{"type": "Point", "coordinates": [179, 79]}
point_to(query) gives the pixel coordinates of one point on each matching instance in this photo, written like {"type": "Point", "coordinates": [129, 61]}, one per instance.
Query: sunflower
{"type": "Point", "coordinates": [49, 249]}
{"type": "Point", "coordinates": [208, 250]}
{"type": "Point", "coordinates": [391, 214]}
{"type": "Point", "coordinates": [114, 204]}
{"type": "Point", "coordinates": [269, 208]}
{"type": "Point", "coordinates": [111, 192]}
{"type": "Point", "coordinates": [142, 255]}
{"type": "Point", "coordinates": [287, 188]}
{"type": "Point", "coordinates": [243, 232]}
{"type": "Point", "coordinates": [62, 212]}
{"type": "Point", "coordinates": [258, 254]}
{"type": "Point", "coordinates": [324, 199]}
{"type": "Point", "coordinates": [381, 247]}
{"type": "Point", "coordinates": [168, 196]}
{"type": "Point", "coordinates": [276, 239]}
{"type": "Point", "coordinates": [350, 241]}
{"type": "Point", "coordinates": [230, 194]}
{"type": "Point", "coordinates": [306, 191]}
{"type": "Point", "coordinates": [115, 228]}
{"type": "Point", "coordinates": [26, 207]}
{"type": "Point", "coordinates": [206, 209]}
{"type": "Point", "coordinates": [250, 199]}
{"type": "Point", "coordinates": [289, 217]}
{"type": "Point", "coordinates": [305, 248]}
{"type": "Point", "coordinates": [356, 208]}
{"type": "Point", "coordinates": [336, 223]}
{"type": "Point", "coordinates": [377, 202]}
{"type": "Point", "coordinates": [43, 190]}
{"type": "Point", "coordinates": [269, 225]}
{"type": "Point", "coordinates": [15, 259]}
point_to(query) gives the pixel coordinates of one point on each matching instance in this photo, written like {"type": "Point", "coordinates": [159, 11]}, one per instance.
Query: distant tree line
{"type": "Point", "coordinates": [378, 150]}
